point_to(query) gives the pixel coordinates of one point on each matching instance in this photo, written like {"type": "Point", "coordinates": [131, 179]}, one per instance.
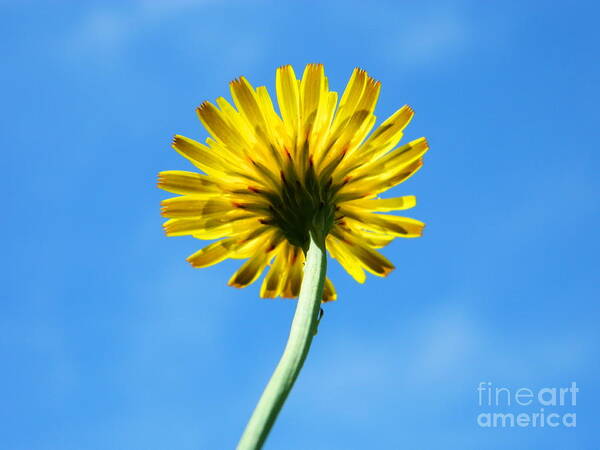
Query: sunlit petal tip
{"type": "Point", "coordinates": [387, 271]}
{"type": "Point", "coordinates": [202, 107]}
{"type": "Point", "coordinates": [193, 264]}
{"type": "Point", "coordinates": [329, 293]}
{"type": "Point", "coordinates": [241, 80]}
{"type": "Point", "coordinates": [234, 282]}
{"type": "Point", "coordinates": [372, 82]}
{"type": "Point", "coordinates": [177, 140]}
{"type": "Point", "coordinates": [211, 254]}
{"type": "Point", "coordinates": [285, 68]}
{"type": "Point", "coordinates": [170, 227]}
{"type": "Point", "coordinates": [266, 292]}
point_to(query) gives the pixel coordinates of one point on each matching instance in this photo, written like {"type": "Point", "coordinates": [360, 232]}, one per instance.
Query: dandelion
{"type": "Point", "coordinates": [282, 189]}
{"type": "Point", "coordinates": [269, 179]}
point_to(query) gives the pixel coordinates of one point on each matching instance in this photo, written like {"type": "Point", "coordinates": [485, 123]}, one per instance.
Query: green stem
{"type": "Point", "coordinates": [304, 327]}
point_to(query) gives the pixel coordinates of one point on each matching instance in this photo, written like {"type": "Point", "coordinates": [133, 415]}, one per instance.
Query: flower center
{"type": "Point", "coordinates": [302, 207]}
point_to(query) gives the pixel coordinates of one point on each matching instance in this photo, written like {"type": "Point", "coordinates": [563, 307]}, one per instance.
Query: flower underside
{"type": "Point", "coordinates": [269, 179]}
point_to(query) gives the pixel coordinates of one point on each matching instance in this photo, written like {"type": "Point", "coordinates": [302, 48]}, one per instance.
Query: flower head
{"type": "Point", "coordinates": [267, 180]}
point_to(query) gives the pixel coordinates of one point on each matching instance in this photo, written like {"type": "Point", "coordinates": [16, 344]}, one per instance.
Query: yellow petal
{"type": "Point", "coordinates": [312, 95]}
{"type": "Point", "coordinates": [389, 133]}
{"type": "Point", "coordinates": [219, 128]}
{"type": "Point", "coordinates": [237, 121]}
{"type": "Point", "coordinates": [394, 225]}
{"type": "Point", "coordinates": [392, 163]}
{"type": "Point", "coordinates": [357, 188]}
{"type": "Point", "coordinates": [274, 280]}
{"type": "Point", "coordinates": [251, 269]}
{"type": "Point", "coordinates": [182, 182]}
{"type": "Point", "coordinates": [322, 128]}
{"type": "Point", "coordinates": [385, 204]}
{"type": "Point", "coordinates": [394, 178]}
{"type": "Point", "coordinates": [274, 122]}
{"type": "Point", "coordinates": [368, 100]}
{"type": "Point", "coordinates": [329, 293]}
{"type": "Point", "coordinates": [351, 127]}
{"type": "Point", "coordinates": [213, 226]}
{"type": "Point", "coordinates": [251, 242]}
{"type": "Point", "coordinates": [350, 97]}
{"type": "Point", "coordinates": [246, 100]}
{"type": "Point", "coordinates": [371, 260]}
{"type": "Point", "coordinates": [349, 136]}
{"type": "Point", "coordinates": [373, 239]}
{"type": "Point", "coordinates": [385, 137]}
{"type": "Point", "coordinates": [339, 251]}
{"type": "Point", "coordinates": [404, 155]}
{"type": "Point", "coordinates": [194, 206]}
{"type": "Point", "coordinates": [293, 281]}
{"type": "Point", "coordinates": [199, 155]}
{"type": "Point", "coordinates": [213, 253]}
{"type": "Point", "coordinates": [288, 98]}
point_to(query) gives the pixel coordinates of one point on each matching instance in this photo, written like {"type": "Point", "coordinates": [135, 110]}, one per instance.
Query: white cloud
{"type": "Point", "coordinates": [428, 39]}
{"type": "Point", "coordinates": [106, 34]}
{"type": "Point", "coordinates": [108, 30]}
{"type": "Point", "coordinates": [441, 353]}
{"type": "Point", "coordinates": [153, 7]}
{"type": "Point", "coordinates": [428, 350]}
{"type": "Point", "coordinates": [103, 30]}
{"type": "Point", "coordinates": [445, 342]}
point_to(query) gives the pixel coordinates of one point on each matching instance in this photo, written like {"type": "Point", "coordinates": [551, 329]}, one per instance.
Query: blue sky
{"type": "Point", "coordinates": [111, 341]}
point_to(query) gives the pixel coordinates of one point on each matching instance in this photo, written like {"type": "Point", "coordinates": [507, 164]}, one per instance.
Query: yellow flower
{"type": "Point", "coordinates": [268, 179]}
